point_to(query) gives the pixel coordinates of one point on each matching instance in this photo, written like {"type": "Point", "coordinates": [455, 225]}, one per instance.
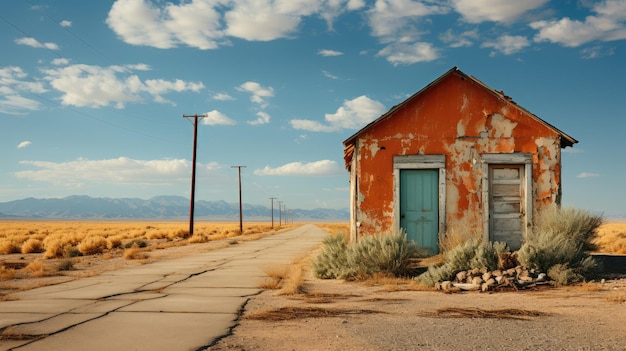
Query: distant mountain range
{"type": "Point", "coordinates": [159, 207]}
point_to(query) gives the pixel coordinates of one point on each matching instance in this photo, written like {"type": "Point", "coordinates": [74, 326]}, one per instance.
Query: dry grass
{"type": "Point", "coordinates": [288, 278]}
{"type": "Point", "coordinates": [36, 268]}
{"type": "Point", "coordinates": [507, 313]}
{"type": "Point", "coordinates": [612, 238]}
{"type": "Point", "coordinates": [391, 284]}
{"type": "Point", "coordinates": [293, 313]}
{"type": "Point", "coordinates": [48, 245]}
{"type": "Point", "coordinates": [617, 296]}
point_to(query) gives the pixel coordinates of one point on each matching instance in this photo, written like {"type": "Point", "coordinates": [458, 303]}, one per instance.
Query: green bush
{"type": "Point", "coordinates": [559, 244]}
{"type": "Point", "coordinates": [469, 255]}
{"type": "Point", "coordinates": [388, 253]}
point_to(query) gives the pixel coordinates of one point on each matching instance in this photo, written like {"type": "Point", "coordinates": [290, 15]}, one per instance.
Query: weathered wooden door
{"type": "Point", "coordinates": [506, 204]}
{"type": "Point", "coordinates": [419, 207]}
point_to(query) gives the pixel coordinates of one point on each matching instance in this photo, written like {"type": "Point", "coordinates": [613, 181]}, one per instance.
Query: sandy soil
{"type": "Point", "coordinates": [337, 315]}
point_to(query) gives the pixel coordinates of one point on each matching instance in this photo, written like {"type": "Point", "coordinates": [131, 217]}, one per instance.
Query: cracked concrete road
{"type": "Point", "coordinates": [182, 304]}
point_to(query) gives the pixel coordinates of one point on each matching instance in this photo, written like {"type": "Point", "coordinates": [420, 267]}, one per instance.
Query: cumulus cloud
{"type": "Point", "coordinates": [596, 52]}
{"type": "Point", "coordinates": [95, 86]}
{"type": "Point", "coordinates": [402, 53]}
{"type": "Point", "coordinates": [259, 93]}
{"type": "Point", "coordinates": [587, 175]}
{"type": "Point", "coordinates": [34, 43]}
{"type": "Point", "coordinates": [207, 24]}
{"type": "Point", "coordinates": [477, 11]}
{"type": "Point", "coordinates": [396, 23]}
{"type": "Point", "coordinates": [121, 170]}
{"type": "Point", "coordinates": [262, 118]}
{"type": "Point", "coordinates": [66, 23]}
{"type": "Point", "coordinates": [329, 53]}
{"type": "Point", "coordinates": [23, 144]}
{"type": "Point", "coordinates": [463, 39]}
{"type": "Point", "coordinates": [222, 97]}
{"type": "Point", "coordinates": [507, 44]}
{"type": "Point", "coordinates": [608, 24]}
{"type": "Point", "coordinates": [317, 168]}
{"type": "Point", "coordinates": [14, 83]}
{"type": "Point", "coordinates": [215, 118]}
{"type": "Point", "coordinates": [352, 114]}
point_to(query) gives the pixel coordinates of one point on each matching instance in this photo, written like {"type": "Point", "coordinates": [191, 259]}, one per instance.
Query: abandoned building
{"type": "Point", "coordinates": [456, 156]}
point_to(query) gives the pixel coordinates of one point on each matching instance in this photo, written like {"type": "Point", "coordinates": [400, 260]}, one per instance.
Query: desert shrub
{"type": "Point", "coordinates": [92, 245]}
{"type": "Point", "coordinates": [469, 255]}
{"type": "Point", "coordinates": [6, 273]}
{"type": "Point", "coordinates": [388, 253]}
{"type": "Point", "coordinates": [332, 260]}
{"type": "Point", "coordinates": [36, 268]}
{"type": "Point", "coordinates": [136, 242]}
{"type": "Point", "coordinates": [32, 245]}
{"type": "Point", "coordinates": [179, 234]}
{"type": "Point", "coordinates": [135, 253]}
{"type": "Point", "coordinates": [53, 248]}
{"type": "Point", "coordinates": [561, 239]}
{"type": "Point", "coordinates": [8, 246]}
{"type": "Point", "coordinates": [113, 242]}
{"type": "Point", "coordinates": [65, 265]}
{"type": "Point", "coordinates": [72, 252]}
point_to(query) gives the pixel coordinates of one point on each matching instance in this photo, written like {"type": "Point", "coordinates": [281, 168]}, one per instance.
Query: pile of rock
{"type": "Point", "coordinates": [480, 279]}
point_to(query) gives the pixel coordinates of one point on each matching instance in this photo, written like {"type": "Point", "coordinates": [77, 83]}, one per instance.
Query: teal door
{"type": "Point", "coordinates": [419, 206]}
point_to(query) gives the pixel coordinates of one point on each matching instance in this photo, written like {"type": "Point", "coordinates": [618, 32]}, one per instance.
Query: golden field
{"type": "Point", "coordinates": [45, 249]}
{"type": "Point", "coordinates": [612, 238]}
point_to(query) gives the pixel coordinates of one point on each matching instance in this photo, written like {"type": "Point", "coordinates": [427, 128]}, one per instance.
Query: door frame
{"type": "Point", "coordinates": [437, 162]}
{"type": "Point", "coordinates": [525, 160]}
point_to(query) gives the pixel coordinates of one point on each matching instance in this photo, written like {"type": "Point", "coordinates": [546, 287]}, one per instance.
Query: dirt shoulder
{"type": "Point", "coordinates": [338, 315]}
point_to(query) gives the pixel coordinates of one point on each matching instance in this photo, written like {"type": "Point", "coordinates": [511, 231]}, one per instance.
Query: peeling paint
{"type": "Point", "coordinates": [462, 121]}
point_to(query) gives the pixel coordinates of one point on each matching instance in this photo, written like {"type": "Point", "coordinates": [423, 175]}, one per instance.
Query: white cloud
{"type": "Point", "coordinates": [222, 97]}
{"type": "Point", "coordinates": [66, 23]}
{"type": "Point", "coordinates": [262, 118]}
{"type": "Point", "coordinates": [23, 144]}
{"type": "Point", "coordinates": [259, 93]}
{"type": "Point", "coordinates": [215, 117]}
{"type": "Point", "coordinates": [401, 53]}
{"type": "Point", "coordinates": [60, 61]}
{"type": "Point", "coordinates": [396, 23]}
{"type": "Point", "coordinates": [477, 11]}
{"type": "Point", "coordinates": [329, 53]}
{"type": "Point", "coordinates": [317, 168]}
{"type": "Point", "coordinates": [607, 25]}
{"type": "Point", "coordinates": [464, 39]}
{"type": "Point", "coordinates": [32, 42]}
{"type": "Point", "coordinates": [14, 83]}
{"type": "Point", "coordinates": [596, 52]}
{"type": "Point", "coordinates": [329, 75]}
{"type": "Point", "coordinates": [206, 24]}
{"type": "Point", "coordinates": [587, 175]}
{"type": "Point", "coordinates": [121, 170]}
{"type": "Point", "coordinates": [95, 86]}
{"type": "Point", "coordinates": [507, 44]}
{"type": "Point", "coordinates": [353, 114]}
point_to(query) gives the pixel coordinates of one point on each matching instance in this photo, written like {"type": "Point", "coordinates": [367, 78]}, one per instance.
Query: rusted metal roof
{"type": "Point", "coordinates": [566, 140]}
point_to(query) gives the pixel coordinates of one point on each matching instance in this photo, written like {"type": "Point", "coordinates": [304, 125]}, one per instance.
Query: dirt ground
{"type": "Point", "coordinates": [338, 315]}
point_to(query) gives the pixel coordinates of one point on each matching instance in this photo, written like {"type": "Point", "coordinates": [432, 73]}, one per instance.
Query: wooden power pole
{"type": "Point", "coordinates": [193, 169]}
{"type": "Point", "coordinates": [240, 206]}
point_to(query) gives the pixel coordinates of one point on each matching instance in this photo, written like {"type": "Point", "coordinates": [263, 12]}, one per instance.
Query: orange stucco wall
{"type": "Point", "coordinates": [461, 120]}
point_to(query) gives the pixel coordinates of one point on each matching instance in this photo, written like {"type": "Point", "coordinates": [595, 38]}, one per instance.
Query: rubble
{"type": "Point", "coordinates": [516, 278]}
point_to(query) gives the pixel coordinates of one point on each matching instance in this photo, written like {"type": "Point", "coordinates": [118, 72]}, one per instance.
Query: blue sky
{"type": "Point", "coordinates": [92, 93]}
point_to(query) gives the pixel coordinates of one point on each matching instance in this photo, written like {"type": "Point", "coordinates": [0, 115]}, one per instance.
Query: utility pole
{"type": "Point", "coordinates": [273, 198]}
{"type": "Point", "coordinates": [280, 212]}
{"type": "Point", "coordinates": [240, 206]}
{"type": "Point", "coordinates": [193, 169]}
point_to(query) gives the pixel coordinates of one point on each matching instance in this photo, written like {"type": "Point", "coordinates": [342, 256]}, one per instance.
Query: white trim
{"type": "Point", "coordinates": [503, 159]}
{"type": "Point", "coordinates": [420, 162]}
